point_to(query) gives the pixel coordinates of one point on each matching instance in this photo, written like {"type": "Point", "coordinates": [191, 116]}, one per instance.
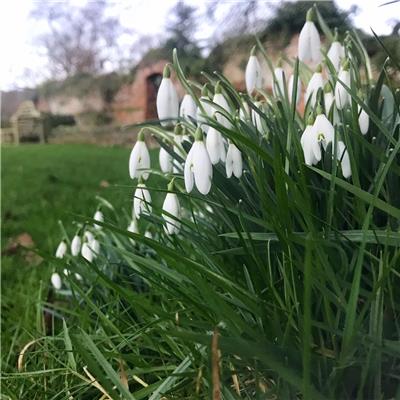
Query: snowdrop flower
{"type": "Point", "coordinates": [198, 167]}
{"type": "Point", "coordinates": [290, 89]}
{"type": "Point", "coordinates": [316, 83]}
{"type": "Point", "coordinates": [98, 216]}
{"type": "Point", "coordinates": [342, 155]}
{"type": "Point", "coordinates": [256, 118]}
{"type": "Point", "coordinates": [87, 252]}
{"type": "Point", "coordinates": [139, 160]}
{"type": "Point", "coordinates": [278, 87]}
{"type": "Point", "coordinates": [342, 97]}
{"type": "Point", "coordinates": [61, 249]}
{"type": "Point", "coordinates": [95, 247]}
{"type": "Point", "coordinates": [328, 97]}
{"type": "Point", "coordinates": [207, 109]}
{"type": "Point", "coordinates": [188, 108]}
{"type": "Point", "coordinates": [76, 245]}
{"type": "Point", "coordinates": [148, 235]}
{"type": "Point", "coordinates": [323, 129]}
{"type": "Point", "coordinates": [309, 143]}
{"type": "Point", "coordinates": [167, 99]}
{"type": "Point", "coordinates": [234, 162]}
{"type": "Point", "coordinates": [220, 100]}
{"type": "Point", "coordinates": [88, 236]}
{"type": "Point", "coordinates": [336, 52]}
{"type": "Point", "coordinates": [363, 120]}
{"type": "Point", "coordinates": [253, 77]}
{"type": "Point", "coordinates": [171, 206]}
{"type": "Point", "coordinates": [141, 201]}
{"type": "Point", "coordinates": [215, 146]}
{"type": "Point", "coordinates": [66, 272]}
{"type": "Point", "coordinates": [56, 280]}
{"type": "Point", "coordinates": [165, 160]}
{"type": "Point", "coordinates": [309, 46]}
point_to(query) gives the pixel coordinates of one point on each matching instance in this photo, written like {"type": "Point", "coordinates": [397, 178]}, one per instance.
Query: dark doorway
{"type": "Point", "coordinates": [152, 84]}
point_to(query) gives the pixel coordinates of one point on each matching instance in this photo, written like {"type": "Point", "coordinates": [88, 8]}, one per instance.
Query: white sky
{"type": "Point", "coordinates": [22, 64]}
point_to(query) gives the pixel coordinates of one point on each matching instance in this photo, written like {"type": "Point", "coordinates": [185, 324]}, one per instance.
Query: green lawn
{"type": "Point", "coordinates": [42, 184]}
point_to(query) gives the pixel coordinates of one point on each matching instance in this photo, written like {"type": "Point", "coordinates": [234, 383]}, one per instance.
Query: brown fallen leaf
{"type": "Point", "coordinates": [104, 184]}
{"type": "Point", "coordinates": [23, 240]}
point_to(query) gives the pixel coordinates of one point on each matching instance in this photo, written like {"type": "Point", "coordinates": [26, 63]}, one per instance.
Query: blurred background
{"type": "Point", "coordinates": [83, 69]}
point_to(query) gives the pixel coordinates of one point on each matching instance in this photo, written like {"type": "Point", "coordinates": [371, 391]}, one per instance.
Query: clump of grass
{"type": "Point", "coordinates": [280, 284]}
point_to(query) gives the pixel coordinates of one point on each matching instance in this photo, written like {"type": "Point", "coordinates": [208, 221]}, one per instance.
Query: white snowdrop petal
{"type": "Point", "coordinates": [98, 216]}
{"type": "Point", "coordinates": [363, 121]}
{"type": "Point", "coordinates": [315, 44]}
{"type": "Point", "coordinates": [188, 108]}
{"type": "Point", "coordinates": [167, 101]}
{"type": "Point", "coordinates": [202, 167]}
{"type": "Point", "coordinates": [61, 250]}
{"type": "Point", "coordinates": [141, 201]}
{"type": "Point", "coordinates": [237, 161]}
{"type": "Point", "coordinates": [56, 280]}
{"type": "Point", "coordinates": [316, 83]}
{"type": "Point", "coordinates": [328, 99]}
{"type": "Point", "coordinates": [343, 156]}
{"type": "Point", "coordinates": [165, 160]}
{"type": "Point", "coordinates": [86, 252]}
{"type": "Point", "coordinates": [335, 54]}
{"type": "Point", "coordinates": [304, 43]}
{"type": "Point", "coordinates": [171, 205]}
{"type": "Point", "coordinates": [188, 171]}
{"type": "Point", "coordinates": [220, 100]}
{"type": "Point", "coordinates": [253, 76]}
{"type": "Point", "coordinates": [76, 245]}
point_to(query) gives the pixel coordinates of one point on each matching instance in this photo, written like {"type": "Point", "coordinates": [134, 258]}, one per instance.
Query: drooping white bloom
{"type": "Point", "coordinates": [290, 89]}
{"type": "Point", "coordinates": [95, 247]}
{"type": "Point", "coordinates": [87, 252]}
{"type": "Point", "coordinates": [88, 236]}
{"type": "Point", "coordinates": [61, 249]}
{"type": "Point", "coordinates": [342, 97]}
{"type": "Point", "coordinates": [253, 76]}
{"type": "Point", "coordinates": [167, 99]}
{"type": "Point", "coordinates": [139, 160]}
{"type": "Point", "coordinates": [98, 216]}
{"type": "Point", "coordinates": [323, 129]}
{"type": "Point", "coordinates": [256, 117]}
{"type": "Point", "coordinates": [220, 100]}
{"type": "Point", "coordinates": [198, 167]}
{"type": "Point", "coordinates": [66, 272]}
{"type": "Point", "coordinates": [309, 143]}
{"type": "Point", "coordinates": [343, 156]}
{"type": "Point", "coordinates": [148, 235]}
{"type": "Point", "coordinates": [141, 201]}
{"type": "Point", "coordinates": [328, 97]}
{"type": "Point", "coordinates": [171, 206]}
{"type": "Point", "coordinates": [336, 53]}
{"type": "Point", "coordinates": [165, 160]}
{"type": "Point", "coordinates": [215, 146]}
{"type": "Point", "coordinates": [363, 120]}
{"type": "Point", "coordinates": [234, 163]}
{"type": "Point", "coordinates": [56, 280]}
{"type": "Point", "coordinates": [316, 83]}
{"type": "Point", "coordinates": [76, 245]}
{"type": "Point", "coordinates": [188, 108]}
{"type": "Point", "coordinates": [309, 46]}
{"type": "Point", "coordinates": [278, 87]}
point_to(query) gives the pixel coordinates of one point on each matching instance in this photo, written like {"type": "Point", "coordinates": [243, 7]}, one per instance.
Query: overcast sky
{"type": "Point", "coordinates": [22, 64]}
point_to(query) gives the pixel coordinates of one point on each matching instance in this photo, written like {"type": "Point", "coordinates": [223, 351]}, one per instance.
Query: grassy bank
{"type": "Point", "coordinates": [41, 185]}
